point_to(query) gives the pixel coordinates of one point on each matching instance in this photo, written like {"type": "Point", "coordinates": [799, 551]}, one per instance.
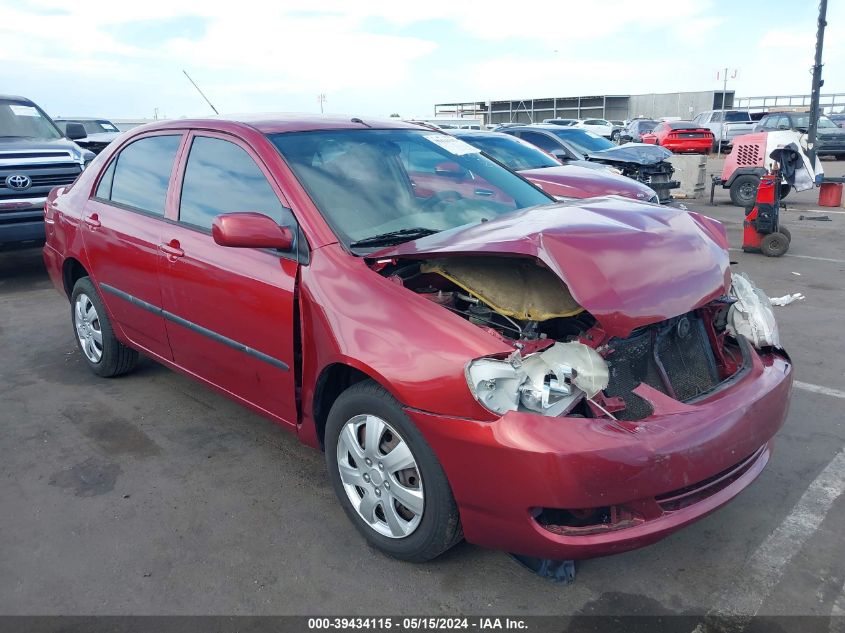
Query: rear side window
{"type": "Point", "coordinates": [540, 140]}
{"type": "Point", "coordinates": [141, 173]}
{"type": "Point", "coordinates": [222, 178]}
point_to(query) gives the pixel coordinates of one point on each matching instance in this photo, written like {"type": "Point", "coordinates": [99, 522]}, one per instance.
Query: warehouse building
{"type": "Point", "coordinates": [668, 104]}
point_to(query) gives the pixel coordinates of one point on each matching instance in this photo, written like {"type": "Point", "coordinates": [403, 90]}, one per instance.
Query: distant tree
{"type": "Point", "coordinates": [395, 115]}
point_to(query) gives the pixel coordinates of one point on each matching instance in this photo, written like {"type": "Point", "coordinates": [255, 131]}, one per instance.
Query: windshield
{"type": "Point", "coordinates": [735, 117]}
{"type": "Point", "coordinates": [512, 152]}
{"type": "Point", "coordinates": [22, 120]}
{"type": "Point", "coordinates": [97, 127]}
{"type": "Point", "coordinates": [376, 182]}
{"type": "Point", "coordinates": [584, 141]}
{"type": "Point", "coordinates": [802, 121]}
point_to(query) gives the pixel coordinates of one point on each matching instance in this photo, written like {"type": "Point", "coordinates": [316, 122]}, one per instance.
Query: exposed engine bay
{"type": "Point", "coordinates": [563, 362]}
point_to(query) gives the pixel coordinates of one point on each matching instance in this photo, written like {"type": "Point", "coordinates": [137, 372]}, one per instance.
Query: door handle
{"type": "Point", "coordinates": [172, 249]}
{"type": "Point", "coordinates": [93, 220]}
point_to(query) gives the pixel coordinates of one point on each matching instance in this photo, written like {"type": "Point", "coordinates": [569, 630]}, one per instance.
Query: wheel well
{"type": "Point", "coordinates": [333, 381]}
{"type": "Point", "coordinates": [72, 271]}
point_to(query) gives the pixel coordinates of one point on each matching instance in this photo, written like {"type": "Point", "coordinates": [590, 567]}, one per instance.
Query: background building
{"type": "Point", "coordinates": [670, 104]}
{"type": "Point", "coordinates": [683, 105]}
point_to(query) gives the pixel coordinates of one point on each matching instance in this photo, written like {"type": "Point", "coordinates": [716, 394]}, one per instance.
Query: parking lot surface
{"type": "Point", "coordinates": [150, 494]}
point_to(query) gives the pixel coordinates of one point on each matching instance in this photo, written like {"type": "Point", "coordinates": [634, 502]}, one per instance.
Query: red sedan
{"type": "Point", "coordinates": [681, 137]}
{"type": "Point", "coordinates": [560, 380]}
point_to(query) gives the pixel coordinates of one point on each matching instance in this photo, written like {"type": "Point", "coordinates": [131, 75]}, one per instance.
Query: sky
{"type": "Point", "coordinates": [378, 57]}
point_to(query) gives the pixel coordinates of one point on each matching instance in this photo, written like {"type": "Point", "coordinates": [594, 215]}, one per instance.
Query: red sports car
{"type": "Point", "coordinates": [476, 359]}
{"type": "Point", "coordinates": [681, 137]}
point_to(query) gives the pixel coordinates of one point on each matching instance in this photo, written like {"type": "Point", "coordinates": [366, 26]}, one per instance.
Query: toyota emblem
{"type": "Point", "coordinates": [684, 328]}
{"type": "Point", "coordinates": [18, 182]}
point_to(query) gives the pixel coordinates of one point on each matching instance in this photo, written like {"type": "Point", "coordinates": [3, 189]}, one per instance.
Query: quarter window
{"type": "Point", "coordinates": [104, 188]}
{"type": "Point", "coordinates": [142, 173]}
{"type": "Point", "coordinates": [221, 177]}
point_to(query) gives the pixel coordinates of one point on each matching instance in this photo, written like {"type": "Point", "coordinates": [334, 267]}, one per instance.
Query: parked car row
{"type": "Point", "coordinates": [573, 145]}
{"type": "Point", "coordinates": [476, 359]}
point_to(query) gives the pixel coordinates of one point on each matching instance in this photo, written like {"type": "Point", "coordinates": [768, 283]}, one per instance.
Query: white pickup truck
{"type": "Point", "coordinates": [736, 123]}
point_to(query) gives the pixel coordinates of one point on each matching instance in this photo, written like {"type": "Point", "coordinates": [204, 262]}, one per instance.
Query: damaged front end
{"type": "Point", "coordinates": [648, 164]}
{"type": "Point", "coordinates": [564, 361]}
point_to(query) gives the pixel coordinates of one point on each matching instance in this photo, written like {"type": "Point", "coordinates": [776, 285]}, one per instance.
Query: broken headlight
{"type": "Point", "coordinates": [550, 382]}
{"type": "Point", "coordinates": [751, 315]}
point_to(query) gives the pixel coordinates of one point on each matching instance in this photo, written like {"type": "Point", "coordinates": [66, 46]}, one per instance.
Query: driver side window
{"type": "Point", "coordinates": [221, 177]}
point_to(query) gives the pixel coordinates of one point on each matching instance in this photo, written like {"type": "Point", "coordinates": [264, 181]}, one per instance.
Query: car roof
{"type": "Point", "coordinates": [551, 127]}
{"type": "Point", "coordinates": [464, 132]}
{"type": "Point", "coordinates": [80, 118]}
{"type": "Point", "coordinates": [17, 98]}
{"type": "Point", "coordinates": [271, 123]}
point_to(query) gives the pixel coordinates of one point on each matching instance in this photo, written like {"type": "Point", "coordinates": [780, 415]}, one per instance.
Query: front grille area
{"type": "Point", "coordinates": [674, 357]}
{"type": "Point", "coordinates": [44, 177]}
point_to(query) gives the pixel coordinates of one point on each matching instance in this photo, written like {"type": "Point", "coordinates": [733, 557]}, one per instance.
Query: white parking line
{"type": "Point", "coordinates": [820, 211]}
{"type": "Point", "coordinates": [767, 565]}
{"type": "Point", "coordinates": [818, 259]}
{"type": "Point", "coordinates": [826, 391]}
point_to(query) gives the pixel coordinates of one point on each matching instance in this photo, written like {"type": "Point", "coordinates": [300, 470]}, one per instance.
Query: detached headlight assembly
{"type": "Point", "coordinates": [751, 315]}
{"type": "Point", "coordinates": [550, 382]}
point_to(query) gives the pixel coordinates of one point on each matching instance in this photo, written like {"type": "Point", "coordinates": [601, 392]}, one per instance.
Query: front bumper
{"type": "Point", "coordinates": [21, 222]}
{"type": "Point", "coordinates": [680, 464]}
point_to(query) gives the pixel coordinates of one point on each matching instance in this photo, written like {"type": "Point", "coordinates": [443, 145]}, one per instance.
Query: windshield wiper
{"type": "Point", "coordinates": [395, 237]}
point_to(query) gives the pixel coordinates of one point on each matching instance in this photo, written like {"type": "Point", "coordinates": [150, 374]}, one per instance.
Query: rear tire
{"type": "Point", "coordinates": [744, 190]}
{"type": "Point", "coordinates": [774, 245]}
{"type": "Point", "coordinates": [785, 232]}
{"type": "Point", "coordinates": [100, 349]}
{"type": "Point", "coordinates": [415, 527]}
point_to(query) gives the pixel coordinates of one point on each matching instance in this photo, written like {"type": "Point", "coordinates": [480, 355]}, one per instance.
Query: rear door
{"type": "Point", "coordinates": [121, 229]}
{"type": "Point", "coordinates": [230, 311]}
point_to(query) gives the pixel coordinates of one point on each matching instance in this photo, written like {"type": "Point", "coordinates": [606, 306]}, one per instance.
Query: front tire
{"type": "Point", "coordinates": [387, 478]}
{"type": "Point", "coordinates": [102, 352]}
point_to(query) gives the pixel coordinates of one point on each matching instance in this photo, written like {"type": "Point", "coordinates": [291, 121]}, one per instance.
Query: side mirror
{"type": "Point", "coordinates": [450, 170]}
{"type": "Point", "coordinates": [250, 230]}
{"type": "Point", "coordinates": [75, 131]}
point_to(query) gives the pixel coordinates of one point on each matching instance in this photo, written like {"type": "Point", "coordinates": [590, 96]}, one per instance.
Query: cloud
{"type": "Point", "coordinates": [380, 56]}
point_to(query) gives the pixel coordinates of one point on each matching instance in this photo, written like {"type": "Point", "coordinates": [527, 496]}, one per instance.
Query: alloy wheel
{"type": "Point", "coordinates": [88, 328]}
{"type": "Point", "coordinates": [380, 476]}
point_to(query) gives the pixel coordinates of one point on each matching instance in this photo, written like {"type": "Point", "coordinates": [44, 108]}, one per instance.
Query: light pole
{"type": "Point", "coordinates": [322, 99]}
{"type": "Point", "coordinates": [722, 130]}
{"type": "Point", "coordinates": [815, 95]}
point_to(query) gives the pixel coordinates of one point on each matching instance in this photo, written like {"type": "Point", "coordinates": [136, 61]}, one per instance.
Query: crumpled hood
{"type": "Point", "coordinates": [629, 264]}
{"type": "Point", "coordinates": [638, 153]}
{"type": "Point", "coordinates": [581, 182]}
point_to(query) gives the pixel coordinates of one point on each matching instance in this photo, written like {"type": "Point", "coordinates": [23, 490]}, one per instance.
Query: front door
{"type": "Point", "coordinates": [121, 230]}
{"type": "Point", "coordinates": [230, 311]}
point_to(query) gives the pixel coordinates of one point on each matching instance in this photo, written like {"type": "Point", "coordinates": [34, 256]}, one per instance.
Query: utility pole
{"type": "Point", "coordinates": [818, 82]}
{"type": "Point", "coordinates": [322, 99]}
{"type": "Point", "coordinates": [724, 96]}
